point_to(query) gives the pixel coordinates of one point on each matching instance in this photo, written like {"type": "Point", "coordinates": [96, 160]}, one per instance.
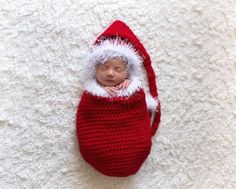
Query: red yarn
{"type": "Point", "coordinates": [121, 30]}
{"type": "Point", "coordinates": [114, 134]}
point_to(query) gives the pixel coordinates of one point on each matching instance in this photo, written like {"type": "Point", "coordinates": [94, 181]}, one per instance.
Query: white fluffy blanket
{"type": "Point", "coordinates": [192, 45]}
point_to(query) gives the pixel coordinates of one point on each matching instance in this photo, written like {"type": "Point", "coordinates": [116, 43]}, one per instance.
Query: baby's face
{"type": "Point", "coordinates": [112, 72]}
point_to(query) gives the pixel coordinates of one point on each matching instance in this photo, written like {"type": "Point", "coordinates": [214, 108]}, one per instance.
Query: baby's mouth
{"type": "Point", "coordinates": [109, 80]}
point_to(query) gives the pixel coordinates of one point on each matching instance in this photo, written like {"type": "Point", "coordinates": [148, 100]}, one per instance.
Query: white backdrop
{"type": "Point", "coordinates": [192, 46]}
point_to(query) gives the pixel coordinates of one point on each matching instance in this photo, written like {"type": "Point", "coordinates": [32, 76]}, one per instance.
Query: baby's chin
{"type": "Point", "coordinates": [110, 83]}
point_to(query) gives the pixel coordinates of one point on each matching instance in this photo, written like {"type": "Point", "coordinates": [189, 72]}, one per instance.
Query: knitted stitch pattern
{"type": "Point", "coordinates": [114, 134]}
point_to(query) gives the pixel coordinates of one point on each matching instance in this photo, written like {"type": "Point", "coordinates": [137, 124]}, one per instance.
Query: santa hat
{"type": "Point", "coordinates": [118, 40]}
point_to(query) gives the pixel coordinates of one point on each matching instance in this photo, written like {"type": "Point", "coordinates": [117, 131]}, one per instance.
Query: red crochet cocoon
{"type": "Point", "coordinates": [114, 134]}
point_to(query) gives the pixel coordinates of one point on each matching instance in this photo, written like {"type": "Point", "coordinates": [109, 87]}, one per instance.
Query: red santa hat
{"type": "Point", "coordinates": [118, 40]}
{"type": "Point", "coordinates": [121, 30]}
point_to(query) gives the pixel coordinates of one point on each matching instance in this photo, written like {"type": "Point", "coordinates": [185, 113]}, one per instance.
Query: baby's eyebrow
{"type": "Point", "coordinates": [118, 66]}
{"type": "Point", "coordinates": [104, 64]}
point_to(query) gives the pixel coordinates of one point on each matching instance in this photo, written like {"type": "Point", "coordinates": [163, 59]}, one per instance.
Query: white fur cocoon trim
{"type": "Point", "coordinates": [113, 48]}
{"type": "Point", "coordinates": [94, 88]}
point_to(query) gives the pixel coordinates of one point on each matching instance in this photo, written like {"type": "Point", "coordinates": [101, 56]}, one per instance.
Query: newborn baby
{"type": "Point", "coordinates": [113, 119]}
{"type": "Point", "coordinates": [112, 75]}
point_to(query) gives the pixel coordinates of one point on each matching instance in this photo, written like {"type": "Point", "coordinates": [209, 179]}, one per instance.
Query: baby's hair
{"type": "Point", "coordinates": [124, 59]}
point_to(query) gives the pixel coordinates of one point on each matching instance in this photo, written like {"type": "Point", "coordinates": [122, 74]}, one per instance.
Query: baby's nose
{"type": "Point", "coordinates": [110, 72]}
